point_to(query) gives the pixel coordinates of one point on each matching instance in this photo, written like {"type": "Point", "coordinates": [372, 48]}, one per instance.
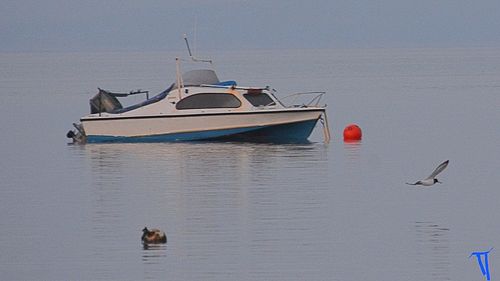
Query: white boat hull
{"type": "Point", "coordinates": [292, 124]}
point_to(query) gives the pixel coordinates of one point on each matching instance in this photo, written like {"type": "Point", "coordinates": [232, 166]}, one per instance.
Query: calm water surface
{"type": "Point", "coordinates": [242, 211]}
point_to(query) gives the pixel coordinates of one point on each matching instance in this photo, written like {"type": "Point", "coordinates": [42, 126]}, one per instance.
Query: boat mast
{"type": "Point", "coordinates": [179, 77]}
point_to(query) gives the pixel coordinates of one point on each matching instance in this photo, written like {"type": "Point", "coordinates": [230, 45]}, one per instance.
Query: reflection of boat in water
{"type": "Point", "coordinates": [198, 106]}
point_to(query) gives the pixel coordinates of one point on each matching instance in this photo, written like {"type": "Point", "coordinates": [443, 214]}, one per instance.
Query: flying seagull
{"type": "Point", "coordinates": [431, 180]}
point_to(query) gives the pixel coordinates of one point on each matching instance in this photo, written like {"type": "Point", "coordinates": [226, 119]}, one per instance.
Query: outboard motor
{"type": "Point", "coordinates": [104, 101]}
{"type": "Point", "coordinates": [78, 136]}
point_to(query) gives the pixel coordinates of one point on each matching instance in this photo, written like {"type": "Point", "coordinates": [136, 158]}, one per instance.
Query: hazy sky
{"type": "Point", "coordinates": [94, 25]}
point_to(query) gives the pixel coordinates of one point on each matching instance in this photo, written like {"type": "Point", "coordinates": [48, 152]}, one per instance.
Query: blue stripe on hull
{"type": "Point", "coordinates": [285, 133]}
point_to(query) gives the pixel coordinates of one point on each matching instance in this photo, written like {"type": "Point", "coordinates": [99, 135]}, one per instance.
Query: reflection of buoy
{"type": "Point", "coordinates": [352, 133]}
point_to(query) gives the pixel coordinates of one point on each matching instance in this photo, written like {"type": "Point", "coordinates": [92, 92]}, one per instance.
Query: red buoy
{"type": "Point", "coordinates": [352, 132]}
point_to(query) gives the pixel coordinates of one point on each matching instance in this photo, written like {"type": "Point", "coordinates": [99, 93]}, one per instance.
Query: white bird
{"type": "Point", "coordinates": [431, 180]}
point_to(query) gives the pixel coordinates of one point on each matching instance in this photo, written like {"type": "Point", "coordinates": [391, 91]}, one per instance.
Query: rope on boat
{"type": "Point", "coordinates": [326, 129]}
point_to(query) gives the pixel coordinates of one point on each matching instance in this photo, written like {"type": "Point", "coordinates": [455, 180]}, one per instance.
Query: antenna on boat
{"type": "Point", "coordinates": [195, 59]}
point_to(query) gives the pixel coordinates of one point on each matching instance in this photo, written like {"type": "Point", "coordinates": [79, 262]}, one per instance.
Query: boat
{"type": "Point", "coordinates": [200, 107]}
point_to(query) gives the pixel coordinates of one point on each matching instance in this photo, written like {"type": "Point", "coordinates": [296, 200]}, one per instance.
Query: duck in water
{"type": "Point", "coordinates": [153, 236]}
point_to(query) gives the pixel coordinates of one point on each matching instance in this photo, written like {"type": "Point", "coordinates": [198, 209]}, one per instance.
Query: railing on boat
{"type": "Point", "coordinates": [313, 102]}
{"type": "Point", "coordinates": [131, 93]}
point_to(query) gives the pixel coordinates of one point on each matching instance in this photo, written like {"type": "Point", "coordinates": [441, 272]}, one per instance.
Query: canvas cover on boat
{"type": "Point", "coordinates": [200, 76]}
{"type": "Point", "coordinates": [104, 101]}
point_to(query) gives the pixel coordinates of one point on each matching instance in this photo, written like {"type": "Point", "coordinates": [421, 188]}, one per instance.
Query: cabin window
{"type": "Point", "coordinates": [259, 99]}
{"type": "Point", "coordinates": [209, 100]}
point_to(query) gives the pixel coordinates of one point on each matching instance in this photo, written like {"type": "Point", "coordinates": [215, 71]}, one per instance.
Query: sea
{"type": "Point", "coordinates": [257, 211]}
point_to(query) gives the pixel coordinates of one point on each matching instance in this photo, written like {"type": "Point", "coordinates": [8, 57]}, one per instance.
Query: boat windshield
{"type": "Point", "coordinates": [259, 99]}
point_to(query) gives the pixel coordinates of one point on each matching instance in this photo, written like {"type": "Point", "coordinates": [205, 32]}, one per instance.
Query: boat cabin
{"type": "Point", "coordinates": [198, 90]}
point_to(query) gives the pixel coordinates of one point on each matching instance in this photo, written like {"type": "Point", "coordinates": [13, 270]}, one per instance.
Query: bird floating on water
{"type": "Point", "coordinates": [431, 180]}
{"type": "Point", "coordinates": [153, 236]}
